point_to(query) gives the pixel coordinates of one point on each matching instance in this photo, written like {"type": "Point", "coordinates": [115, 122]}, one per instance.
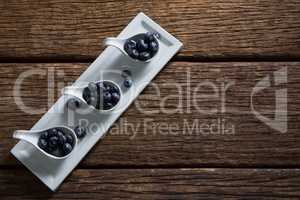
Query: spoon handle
{"type": "Point", "coordinates": [73, 91]}
{"type": "Point", "coordinates": [23, 135]}
{"type": "Point", "coordinates": [111, 41]}
{"type": "Point", "coordinates": [68, 90]}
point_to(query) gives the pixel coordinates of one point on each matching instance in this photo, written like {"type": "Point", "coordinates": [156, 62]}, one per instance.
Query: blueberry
{"type": "Point", "coordinates": [70, 139]}
{"type": "Point", "coordinates": [142, 45]}
{"type": "Point", "coordinates": [108, 105]}
{"type": "Point", "coordinates": [42, 143]}
{"type": "Point", "coordinates": [107, 87]}
{"type": "Point", "coordinates": [127, 83]}
{"type": "Point", "coordinates": [107, 96]}
{"type": "Point", "coordinates": [144, 56]}
{"type": "Point", "coordinates": [73, 103]}
{"type": "Point", "coordinates": [80, 131]}
{"type": "Point", "coordinates": [44, 135]}
{"type": "Point", "coordinates": [53, 142]}
{"type": "Point", "coordinates": [133, 53]}
{"type": "Point", "coordinates": [115, 97]}
{"type": "Point", "coordinates": [61, 138]}
{"type": "Point", "coordinates": [156, 35]}
{"type": "Point", "coordinates": [86, 94]}
{"type": "Point", "coordinates": [149, 37]}
{"type": "Point", "coordinates": [50, 149]}
{"type": "Point", "coordinates": [131, 44]}
{"type": "Point", "coordinates": [67, 148]}
{"type": "Point", "coordinates": [52, 132]}
{"type": "Point", "coordinates": [92, 87]}
{"type": "Point", "coordinates": [113, 89]}
{"type": "Point", "coordinates": [153, 47]}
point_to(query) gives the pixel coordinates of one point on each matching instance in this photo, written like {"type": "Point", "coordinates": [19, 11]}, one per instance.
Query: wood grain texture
{"type": "Point", "coordinates": [158, 184]}
{"type": "Point", "coordinates": [60, 29]}
{"type": "Point", "coordinates": [141, 138]}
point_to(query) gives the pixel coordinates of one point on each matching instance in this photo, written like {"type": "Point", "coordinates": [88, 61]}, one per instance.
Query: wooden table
{"type": "Point", "coordinates": [237, 42]}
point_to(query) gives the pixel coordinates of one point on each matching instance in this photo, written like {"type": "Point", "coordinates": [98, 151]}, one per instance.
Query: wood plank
{"type": "Point", "coordinates": [207, 183]}
{"type": "Point", "coordinates": [208, 29]}
{"type": "Point", "coordinates": [143, 139]}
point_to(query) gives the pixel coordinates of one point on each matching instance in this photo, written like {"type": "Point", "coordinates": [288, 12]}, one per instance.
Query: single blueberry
{"type": "Point", "coordinates": [149, 37]}
{"type": "Point", "coordinates": [73, 104]}
{"type": "Point", "coordinates": [131, 44]}
{"type": "Point", "coordinates": [53, 142]}
{"type": "Point", "coordinates": [52, 132]}
{"type": "Point", "coordinates": [106, 96]}
{"type": "Point", "coordinates": [80, 131]}
{"type": "Point", "coordinates": [135, 54]}
{"type": "Point", "coordinates": [61, 138]}
{"type": "Point", "coordinates": [153, 47]}
{"type": "Point", "coordinates": [50, 149]}
{"type": "Point", "coordinates": [144, 56]}
{"type": "Point", "coordinates": [67, 148]}
{"type": "Point", "coordinates": [44, 135]}
{"type": "Point", "coordinates": [115, 97]}
{"type": "Point", "coordinates": [156, 35]}
{"type": "Point", "coordinates": [127, 83]}
{"type": "Point", "coordinates": [113, 88]}
{"type": "Point", "coordinates": [42, 143]}
{"type": "Point", "coordinates": [107, 87]}
{"type": "Point", "coordinates": [127, 48]}
{"type": "Point", "coordinates": [142, 45]}
{"type": "Point", "coordinates": [108, 105]}
{"type": "Point", "coordinates": [70, 139]}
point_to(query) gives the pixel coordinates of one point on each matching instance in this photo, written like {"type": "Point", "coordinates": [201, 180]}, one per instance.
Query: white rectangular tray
{"type": "Point", "coordinates": [53, 172]}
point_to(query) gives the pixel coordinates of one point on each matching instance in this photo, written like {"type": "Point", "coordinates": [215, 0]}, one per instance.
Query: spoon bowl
{"type": "Point", "coordinates": [121, 43]}
{"type": "Point", "coordinates": [77, 91]}
{"type": "Point", "coordinates": [32, 137]}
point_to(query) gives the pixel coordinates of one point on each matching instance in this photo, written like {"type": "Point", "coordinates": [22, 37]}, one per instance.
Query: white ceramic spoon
{"type": "Point", "coordinates": [32, 137]}
{"type": "Point", "coordinates": [77, 92]}
{"type": "Point", "coordinates": [119, 44]}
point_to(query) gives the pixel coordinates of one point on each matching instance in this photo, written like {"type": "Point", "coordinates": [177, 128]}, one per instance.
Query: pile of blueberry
{"type": "Point", "coordinates": [103, 95]}
{"type": "Point", "coordinates": [55, 142]}
{"type": "Point", "coordinates": [142, 46]}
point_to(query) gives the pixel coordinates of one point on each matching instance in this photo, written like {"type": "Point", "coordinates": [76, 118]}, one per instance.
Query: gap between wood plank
{"type": "Point", "coordinates": [80, 59]}
{"type": "Point", "coordinates": [104, 167]}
